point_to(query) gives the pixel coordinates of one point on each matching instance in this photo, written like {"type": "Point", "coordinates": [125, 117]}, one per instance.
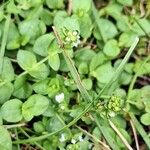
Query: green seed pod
{"type": "Point", "coordinates": [38, 127]}
{"type": "Point", "coordinates": [114, 104]}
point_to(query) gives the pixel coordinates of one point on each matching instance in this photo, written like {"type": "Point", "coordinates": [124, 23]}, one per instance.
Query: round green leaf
{"type": "Point", "coordinates": [56, 4]}
{"type": "Point", "coordinates": [103, 73]}
{"type": "Point", "coordinates": [111, 48]}
{"type": "Point", "coordinates": [26, 59]}
{"type": "Point", "coordinates": [5, 139]}
{"type": "Point", "coordinates": [30, 29]}
{"type": "Point", "coordinates": [8, 71]}
{"type": "Point", "coordinates": [22, 89]}
{"type": "Point", "coordinates": [108, 29]}
{"type": "Point", "coordinates": [46, 16]}
{"type": "Point", "coordinates": [87, 83]}
{"type": "Point", "coordinates": [42, 43]}
{"type": "Point", "coordinates": [81, 5]}
{"type": "Point", "coordinates": [13, 40]}
{"type": "Point", "coordinates": [40, 72]}
{"type": "Point", "coordinates": [127, 38]}
{"type": "Point", "coordinates": [54, 61]}
{"type": "Point", "coordinates": [6, 90]}
{"type": "Point", "coordinates": [11, 110]}
{"type": "Point", "coordinates": [125, 2]}
{"type": "Point", "coordinates": [145, 119]}
{"type": "Point", "coordinates": [34, 106]}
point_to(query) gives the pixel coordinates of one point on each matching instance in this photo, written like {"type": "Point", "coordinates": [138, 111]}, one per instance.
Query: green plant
{"type": "Point", "coordinates": [67, 75]}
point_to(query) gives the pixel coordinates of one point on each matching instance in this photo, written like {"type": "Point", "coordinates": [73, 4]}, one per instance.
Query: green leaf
{"type": "Point", "coordinates": [107, 28]}
{"type": "Point", "coordinates": [42, 44]}
{"type": "Point", "coordinates": [83, 68]}
{"type": "Point", "coordinates": [126, 39]}
{"type": "Point", "coordinates": [81, 5]}
{"type": "Point", "coordinates": [111, 49]}
{"type": "Point", "coordinates": [8, 71]}
{"type": "Point", "coordinates": [40, 72]}
{"type": "Point", "coordinates": [98, 60]}
{"type": "Point", "coordinates": [70, 23]}
{"type": "Point", "coordinates": [56, 4]}
{"type": "Point", "coordinates": [84, 55]}
{"type": "Point", "coordinates": [46, 16]}
{"type": "Point", "coordinates": [113, 9]}
{"type": "Point", "coordinates": [13, 40]}
{"type": "Point", "coordinates": [125, 78]}
{"type": "Point", "coordinates": [54, 60]}
{"type": "Point", "coordinates": [12, 8]}
{"type": "Point", "coordinates": [38, 127]}
{"type": "Point", "coordinates": [55, 124]}
{"type": "Point", "coordinates": [30, 30]}
{"type": "Point", "coordinates": [123, 23]}
{"type": "Point", "coordinates": [34, 106]}
{"type": "Point", "coordinates": [145, 119]}
{"type": "Point", "coordinates": [104, 73]}
{"type": "Point", "coordinates": [5, 139]}
{"type": "Point", "coordinates": [125, 2]}
{"type": "Point", "coordinates": [87, 83]}
{"type": "Point", "coordinates": [144, 70]}
{"type": "Point", "coordinates": [11, 110]}
{"type": "Point", "coordinates": [26, 59]}
{"type": "Point", "coordinates": [41, 87]}
{"type": "Point", "coordinates": [6, 89]}
{"type": "Point", "coordinates": [22, 89]}
{"type": "Point", "coordinates": [141, 26]}
{"type": "Point", "coordinates": [85, 26]}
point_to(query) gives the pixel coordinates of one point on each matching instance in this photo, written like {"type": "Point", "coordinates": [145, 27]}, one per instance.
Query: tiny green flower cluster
{"type": "Point", "coordinates": [71, 38]}
{"type": "Point", "coordinates": [114, 104]}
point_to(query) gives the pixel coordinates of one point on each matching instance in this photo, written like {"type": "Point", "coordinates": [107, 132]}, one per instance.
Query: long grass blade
{"type": "Point", "coordinates": [140, 130]}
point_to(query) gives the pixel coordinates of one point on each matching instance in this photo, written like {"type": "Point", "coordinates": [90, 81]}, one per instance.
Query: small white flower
{"type": "Point", "coordinates": [75, 33]}
{"type": "Point", "coordinates": [90, 146]}
{"type": "Point", "coordinates": [62, 138]}
{"type": "Point", "coordinates": [73, 141]}
{"type": "Point", "coordinates": [62, 107]}
{"type": "Point", "coordinates": [59, 98]}
{"type": "Point", "coordinates": [112, 114]}
{"type": "Point", "coordinates": [80, 138]}
{"type": "Point", "coordinates": [75, 44]}
{"type": "Point", "coordinates": [68, 39]}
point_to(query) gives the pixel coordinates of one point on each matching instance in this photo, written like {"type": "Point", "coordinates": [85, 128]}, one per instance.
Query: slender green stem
{"type": "Point", "coordinates": [26, 134]}
{"type": "Point", "coordinates": [14, 125]}
{"type": "Point", "coordinates": [16, 133]}
{"type": "Point", "coordinates": [135, 135]}
{"type": "Point", "coordinates": [96, 18]}
{"type": "Point", "coordinates": [4, 41]}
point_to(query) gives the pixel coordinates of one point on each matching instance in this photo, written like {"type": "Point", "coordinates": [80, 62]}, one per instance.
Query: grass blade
{"type": "Point", "coordinates": [106, 134]}
{"type": "Point", "coordinates": [140, 130]}
{"type": "Point", "coordinates": [4, 41]}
